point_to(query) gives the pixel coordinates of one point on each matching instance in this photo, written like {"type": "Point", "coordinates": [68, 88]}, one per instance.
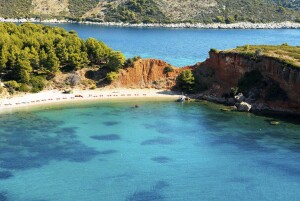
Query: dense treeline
{"type": "Point", "coordinates": [31, 53]}
{"type": "Point", "coordinates": [135, 11]}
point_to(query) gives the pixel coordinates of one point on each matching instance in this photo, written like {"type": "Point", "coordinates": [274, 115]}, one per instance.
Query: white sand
{"type": "Point", "coordinates": [55, 96]}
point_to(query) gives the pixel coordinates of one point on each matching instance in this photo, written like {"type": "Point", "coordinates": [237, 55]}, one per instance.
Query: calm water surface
{"type": "Point", "coordinates": [161, 151]}
{"type": "Point", "coordinates": [180, 47]}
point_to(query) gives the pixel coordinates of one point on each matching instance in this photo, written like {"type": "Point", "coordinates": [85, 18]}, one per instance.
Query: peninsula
{"type": "Point", "coordinates": [58, 66]}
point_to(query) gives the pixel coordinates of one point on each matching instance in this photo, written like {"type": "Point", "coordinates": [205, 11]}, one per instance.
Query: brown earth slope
{"type": "Point", "coordinates": [147, 73]}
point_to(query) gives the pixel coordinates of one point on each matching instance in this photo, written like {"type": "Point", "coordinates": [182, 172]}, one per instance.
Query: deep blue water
{"type": "Point", "coordinates": [180, 47]}
{"type": "Point", "coordinates": [162, 151]}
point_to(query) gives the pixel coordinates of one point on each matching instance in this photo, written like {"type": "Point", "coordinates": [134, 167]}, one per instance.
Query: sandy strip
{"type": "Point", "coordinates": [54, 96]}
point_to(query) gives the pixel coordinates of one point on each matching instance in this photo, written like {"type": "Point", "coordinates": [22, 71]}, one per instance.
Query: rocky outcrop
{"type": "Point", "coordinates": [148, 73]}
{"type": "Point", "coordinates": [225, 69]}
{"type": "Point", "coordinates": [244, 107]}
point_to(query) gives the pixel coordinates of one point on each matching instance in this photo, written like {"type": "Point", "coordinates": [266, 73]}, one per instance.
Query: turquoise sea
{"type": "Point", "coordinates": [164, 151]}
{"type": "Point", "coordinates": [180, 47]}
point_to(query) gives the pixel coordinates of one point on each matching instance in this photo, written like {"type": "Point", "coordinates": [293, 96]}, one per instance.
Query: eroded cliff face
{"type": "Point", "coordinates": [147, 73]}
{"type": "Point", "coordinates": [228, 68]}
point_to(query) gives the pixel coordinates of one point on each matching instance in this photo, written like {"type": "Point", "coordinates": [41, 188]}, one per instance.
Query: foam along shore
{"type": "Point", "coordinates": [238, 25]}
{"type": "Point", "coordinates": [55, 96]}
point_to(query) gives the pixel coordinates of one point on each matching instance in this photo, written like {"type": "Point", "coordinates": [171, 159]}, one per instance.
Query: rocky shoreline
{"type": "Point", "coordinates": [239, 25]}
{"type": "Point", "coordinates": [241, 104]}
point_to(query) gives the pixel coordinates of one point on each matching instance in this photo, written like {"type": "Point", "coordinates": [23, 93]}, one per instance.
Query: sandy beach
{"type": "Point", "coordinates": [55, 96]}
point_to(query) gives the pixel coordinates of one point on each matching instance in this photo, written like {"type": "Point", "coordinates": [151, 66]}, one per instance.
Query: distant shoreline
{"type": "Point", "coordinates": [238, 25]}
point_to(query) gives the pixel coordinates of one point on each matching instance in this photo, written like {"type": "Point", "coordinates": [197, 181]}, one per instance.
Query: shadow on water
{"type": "Point", "coordinates": [260, 141]}
{"type": "Point", "coordinates": [161, 159]}
{"type": "Point", "coordinates": [5, 175]}
{"type": "Point", "coordinates": [154, 194]}
{"type": "Point", "coordinates": [108, 152]}
{"type": "Point", "coordinates": [109, 137]}
{"type": "Point", "coordinates": [286, 169]}
{"type": "Point", "coordinates": [29, 141]}
{"type": "Point", "coordinates": [241, 180]}
{"type": "Point", "coordinates": [158, 141]}
{"type": "Point", "coordinates": [110, 123]}
{"type": "Point", "coordinates": [3, 197]}
{"type": "Point", "coordinates": [242, 141]}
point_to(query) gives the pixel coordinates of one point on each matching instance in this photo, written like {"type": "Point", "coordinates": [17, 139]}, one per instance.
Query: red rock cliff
{"type": "Point", "coordinates": [147, 73]}
{"type": "Point", "coordinates": [228, 69]}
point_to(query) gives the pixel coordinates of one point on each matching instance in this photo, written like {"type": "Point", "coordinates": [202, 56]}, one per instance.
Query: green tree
{"type": "Point", "coordinates": [21, 71]}
{"type": "Point", "coordinates": [52, 62]}
{"type": "Point", "coordinates": [98, 52]}
{"type": "Point", "coordinates": [116, 60]}
{"type": "Point", "coordinates": [43, 59]}
{"type": "Point", "coordinates": [186, 81]}
{"type": "Point", "coordinates": [4, 55]}
{"type": "Point", "coordinates": [62, 52]}
{"type": "Point", "coordinates": [34, 58]}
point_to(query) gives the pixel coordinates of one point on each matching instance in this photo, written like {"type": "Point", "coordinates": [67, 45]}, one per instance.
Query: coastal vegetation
{"type": "Point", "coordinates": [155, 11]}
{"type": "Point", "coordinates": [289, 55]}
{"type": "Point", "coordinates": [31, 54]}
{"type": "Point", "coordinates": [295, 4]}
{"type": "Point", "coordinates": [186, 81]}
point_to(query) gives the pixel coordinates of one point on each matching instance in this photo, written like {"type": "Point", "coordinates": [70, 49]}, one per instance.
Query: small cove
{"type": "Point", "coordinates": [160, 151]}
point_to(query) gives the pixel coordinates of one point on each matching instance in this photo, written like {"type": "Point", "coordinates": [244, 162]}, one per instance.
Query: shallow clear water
{"type": "Point", "coordinates": [161, 151]}
{"type": "Point", "coordinates": [180, 47]}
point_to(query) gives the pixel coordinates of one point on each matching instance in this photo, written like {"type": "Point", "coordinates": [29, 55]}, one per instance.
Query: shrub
{"type": "Point", "coordinates": [258, 52]}
{"type": "Point", "coordinates": [24, 88]}
{"type": "Point", "coordinates": [1, 89]}
{"type": "Point", "coordinates": [186, 81]}
{"type": "Point", "coordinates": [112, 76]}
{"type": "Point", "coordinates": [168, 69]}
{"type": "Point", "coordinates": [129, 62]}
{"type": "Point", "coordinates": [246, 48]}
{"type": "Point", "coordinates": [136, 58]}
{"type": "Point", "coordinates": [220, 19]}
{"type": "Point", "coordinates": [213, 50]}
{"type": "Point", "coordinates": [93, 87]}
{"type": "Point", "coordinates": [12, 85]}
{"type": "Point", "coordinates": [38, 84]}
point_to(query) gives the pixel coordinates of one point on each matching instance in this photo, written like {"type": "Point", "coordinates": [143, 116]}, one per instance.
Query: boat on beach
{"type": "Point", "coordinates": [182, 98]}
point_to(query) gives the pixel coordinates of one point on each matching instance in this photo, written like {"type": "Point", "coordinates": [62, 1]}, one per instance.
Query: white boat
{"type": "Point", "coordinates": [182, 98]}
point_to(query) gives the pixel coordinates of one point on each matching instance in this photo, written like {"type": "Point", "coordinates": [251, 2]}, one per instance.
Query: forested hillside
{"type": "Point", "coordinates": [153, 11]}
{"type": "Point", "coordinates": [31, 54]}
{"type": "Point", "coordinates": [293, 4]}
